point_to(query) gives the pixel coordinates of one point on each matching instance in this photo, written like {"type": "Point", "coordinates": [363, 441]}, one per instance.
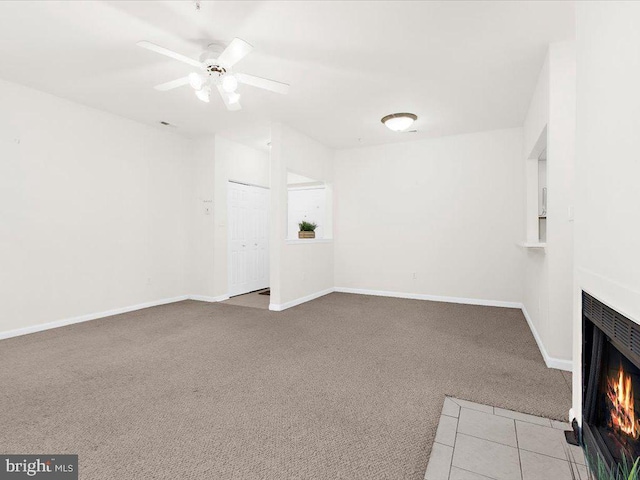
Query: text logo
{"type": "Point", "coordinates": [44, 467]}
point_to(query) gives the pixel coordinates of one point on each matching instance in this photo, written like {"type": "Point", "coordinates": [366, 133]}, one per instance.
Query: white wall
{"type": "Point", "coordinates": [91, 210]}
{"type": "Point", "coordinates": [298, 270]}
{"type": "Point", "coordinates": [607, 219]}
{"type": "Point", "coordinates": [216, 162]}
{"type": "Point", "coordinates": [203, 231]}
{"type": "Point", "coordinates": [536, 272]}
{"type": "Point", "coordinates": [537, 115]}
{"type": "Point", "coordinates": [561, 197]}
{"type": "Point", "coordinates": [448, 210]}
{"type": "Point", "coordinates": [548, 272]}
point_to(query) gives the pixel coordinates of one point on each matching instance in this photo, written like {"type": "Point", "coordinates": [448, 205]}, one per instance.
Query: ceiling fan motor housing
{"type": "Point", "coordinates": [211, 69]}
{"type": "Point", "coordinates": [209, 58]}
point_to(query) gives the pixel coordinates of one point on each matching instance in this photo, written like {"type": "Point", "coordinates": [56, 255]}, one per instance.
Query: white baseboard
{"type": "Point", "coordinates": [551, 362]}
{"type": "Point", "coordinates": [108, 313]}
{"type": "Point", "coordinates": [85, 318]}
{"type": "Point", "coordinates": [433, 298]}
{"type": "Point", "coordinates": [283, 306]}
{"type": "Point", "coordinates": [204, 298]}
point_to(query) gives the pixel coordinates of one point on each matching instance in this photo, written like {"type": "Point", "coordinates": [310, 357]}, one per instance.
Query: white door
{"type": "Point", "coordinates": [248, 238]}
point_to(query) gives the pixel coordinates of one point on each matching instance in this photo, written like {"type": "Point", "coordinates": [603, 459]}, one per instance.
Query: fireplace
{"type": "Point", "coordinates": [611, 383]}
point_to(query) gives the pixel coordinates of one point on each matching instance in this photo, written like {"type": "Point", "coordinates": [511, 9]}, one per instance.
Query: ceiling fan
{"type": "Point", "coordinates": [214, 70]}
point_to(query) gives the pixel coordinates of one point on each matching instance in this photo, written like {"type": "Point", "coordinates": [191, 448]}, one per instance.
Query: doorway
{"type": "Point", "coordinates": [248, 242]}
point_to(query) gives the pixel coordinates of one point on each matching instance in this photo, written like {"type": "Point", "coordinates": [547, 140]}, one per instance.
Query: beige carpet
{"type": "Point", "coordinates": [343, 387]}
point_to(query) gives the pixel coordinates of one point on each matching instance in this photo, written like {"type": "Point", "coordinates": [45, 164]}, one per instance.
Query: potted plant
{"type": "Point", "coordinates": [307, 230]}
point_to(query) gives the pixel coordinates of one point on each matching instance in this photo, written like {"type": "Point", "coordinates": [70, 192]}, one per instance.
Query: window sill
{"type": "Point", "coordinates": [300, 241]}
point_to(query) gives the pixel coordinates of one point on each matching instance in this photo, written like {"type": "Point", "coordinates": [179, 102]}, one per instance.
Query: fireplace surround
{"type": "Point", "coordinates": [611, 383]}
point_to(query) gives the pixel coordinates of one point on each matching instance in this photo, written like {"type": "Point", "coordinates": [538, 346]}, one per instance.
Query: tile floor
{"type": "Point", "coordinates": [479, 442]}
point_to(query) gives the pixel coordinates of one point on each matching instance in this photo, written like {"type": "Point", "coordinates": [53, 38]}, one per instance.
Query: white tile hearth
{"type": "Point", "coordinates": [480, 442]}
{"type": "Point", "coordinates": [487, 426]}
{"type": "Point", "coordinates": [536, 466]}
{"type": "Point", "coordinates": [447, 429]}
{"type": "Point", "coordinates": [491, 459]}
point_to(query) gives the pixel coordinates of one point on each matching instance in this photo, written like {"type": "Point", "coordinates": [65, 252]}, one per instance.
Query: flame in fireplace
{"type": "Point", "coordinates": [622, 413]}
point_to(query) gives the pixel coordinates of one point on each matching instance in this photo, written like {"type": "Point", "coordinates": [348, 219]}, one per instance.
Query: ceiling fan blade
{"type": "Point", "coordinates": [169, 53]}
{"type": "Point", "coordinates": [163, 87]}
{"type": "Point", "coordinates": [233, 106]}
{"type": "Point", "coordinates": [235, 51]}
{"type": "Point", "coordinates": [264, 83]}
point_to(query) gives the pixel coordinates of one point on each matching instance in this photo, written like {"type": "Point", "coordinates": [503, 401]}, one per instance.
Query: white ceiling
{"type": "Point", "coordinates": [460, 66]}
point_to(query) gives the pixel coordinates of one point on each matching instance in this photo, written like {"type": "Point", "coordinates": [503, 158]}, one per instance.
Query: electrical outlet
{"type": "Point", "coordinates": [415, 276]}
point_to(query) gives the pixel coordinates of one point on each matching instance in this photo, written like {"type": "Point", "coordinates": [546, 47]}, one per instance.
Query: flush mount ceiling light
{"type": "Point", "coordinates": [399, 122]}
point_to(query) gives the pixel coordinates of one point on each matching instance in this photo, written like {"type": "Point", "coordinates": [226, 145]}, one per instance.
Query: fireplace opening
{"type": "Point", "coordinates": [611, 384]}
{"type": "Point", "coordinates": [616, 419]}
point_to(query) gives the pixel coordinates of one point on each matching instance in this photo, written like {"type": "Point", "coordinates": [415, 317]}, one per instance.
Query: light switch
{"type": "Point", "coordinates": [207, 210]}
{"type": "Point", "coordinates": [570, 211]}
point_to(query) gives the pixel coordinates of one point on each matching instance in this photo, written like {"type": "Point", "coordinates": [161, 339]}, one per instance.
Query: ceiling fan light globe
{"type": "Point", "coordinates": [203, 95]}
{"type": "Point", "coordinates": [196, 81]}
{"type": "Point", "coordinates": [229, 83]}
{"type": "Point", "coordinates": [234, 97]}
